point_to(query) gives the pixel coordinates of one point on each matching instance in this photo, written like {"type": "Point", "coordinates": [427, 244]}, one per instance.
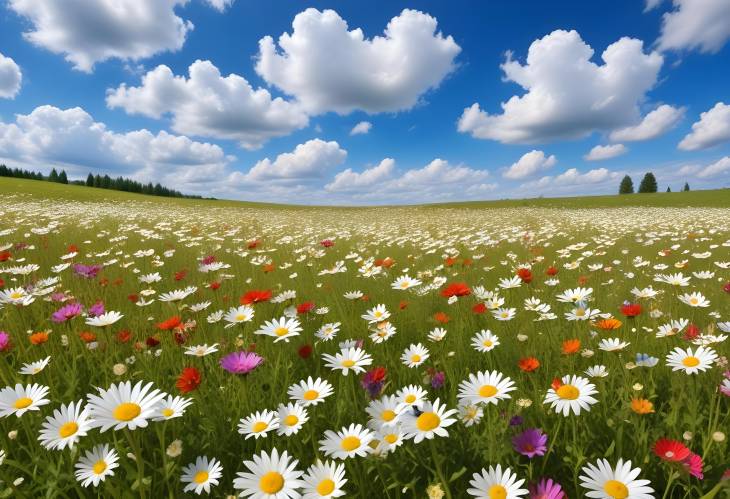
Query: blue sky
{"type": "Point", "coordinates": [89, 87]}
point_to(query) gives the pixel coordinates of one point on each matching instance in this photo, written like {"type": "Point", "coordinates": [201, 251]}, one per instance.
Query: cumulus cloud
{"type": "Point", "coordinates": [90, 31]}
{"type": "Point", "coordinates": [651, 4]}
{"type": "Point", "coordinates": [529, 164]}
{"type": "Point", "coordinates": [348, 179]}
{"type": "Point", "coordinates": [599, 152]}
{"type": "Point", "coordinates": [361, 128]}
{"type": "Point", "coordinates": [654, 124]}
{"type": "Point", "coordinates": [308, 160]}
{"type": "Point", "coordinates": [220, 5]}
{"type": "Point", "coordinates": [572, 178]}
{"type": "Point", "coordinates": [328, 67]}
{"type": "Point", "coordinates": [702, 25]}
{"type": "Point", "coordinates": [568, 95]}
{"type": "Point", "coordinates": [70, 138]}
{"type": "Point", "coordinates": [712, 129]}
{"type": "Point", "coordinates": [207, 104]}
{"type": "Point", "coordinates": [719, 167]}
{"type": "Point", "coordinates": [10, 78]}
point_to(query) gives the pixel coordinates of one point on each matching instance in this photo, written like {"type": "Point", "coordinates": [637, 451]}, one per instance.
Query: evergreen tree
{"type": "Point", "coordinates": [669, 189]}
{"type": "Point", "coordinates": [627, 186]}
{"type": "Point", "coordinates": [53, 177]}
{"type": "Point", "coordinates": [90, 180]}
{"type": "Point", "coordinates": [62, 178]}
{"type": "Point", "coordinates": [686, 187]}
{"type": "Point", "coordinates": [648, 183]}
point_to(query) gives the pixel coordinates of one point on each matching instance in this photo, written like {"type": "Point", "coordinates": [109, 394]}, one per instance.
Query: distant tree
{"type": "Point", "coordinates": [53, 177]}
{"type": "Point", "coordinates": [62, 178]}
{"type": "Point", "coordinates": [686, 187]}
{"type": "Point", "coordinates": [669, 189]}
{"type": "Point", "coordinates": [648, 183]}
{"type": "Point", "coordinates": [90, 180]}
{"type": "Point", "coordinates": [627, 186]}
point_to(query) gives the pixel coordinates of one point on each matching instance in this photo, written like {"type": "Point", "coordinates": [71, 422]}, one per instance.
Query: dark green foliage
{"type": "Point", "coordinates": [686, 187]}
{"type": "Point", "coordinates": [627, 186]}
{"type": "Point", "coordinates": [648, 183]}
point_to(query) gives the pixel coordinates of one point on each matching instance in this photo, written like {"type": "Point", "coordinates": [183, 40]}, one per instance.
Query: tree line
{"type": "Point", "coordinates": [99, 181]}
{"type": "Point", "coordinates": [648, 184]}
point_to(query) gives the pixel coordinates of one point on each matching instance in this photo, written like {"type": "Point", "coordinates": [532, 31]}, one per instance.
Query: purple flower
{"type": "Point", "coordinates": [516, 421]}
{"type": "Point", "coordinates": [531, 442]}
{"type": "Point", "coordinates": [87, 271]}
{"type": "Point", "coordinates": [241, 362]}
{"type": "Point", "coordinates": [67, 312]}
{"type": "Point", "coordinates": [4, 341]}
{"type": "Point", "coordinates": [96, 309]}
{"type": "Point", "coordinates": [58, 297]}
{"type": "Point", "coordinates": [373, 381]}
{"type": "Point", "coordinates": [438, 379]}
{"type": "Point", "coordinates": [546, 489]}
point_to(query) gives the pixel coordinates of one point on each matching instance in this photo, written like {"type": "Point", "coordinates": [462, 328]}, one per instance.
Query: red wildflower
{"type": "Point", "coordinates": [582, 280]}
{"type": "Point", "coordinates": [269, 267]}
{"type": "Point", "coordinates": [403, 305]}
{"type": "Point", "coordinates": [208, 260]}
{"type": "Point", "coordinates": [528, 364]}
{"type": "Point", "coordinates": [630, 309]}
{"type": "Point", "coordinates": [449, 261]}
{"type": "Point", "coordinates": [556, 383]}
{"type": "Point", "coordinates": [133, 298]}
{"type": "Point", "coordinates": [188, 380]}
{"type": "Point", "coordinates": [72, 248]}
{"type": "Point", "coordinates": [726, 287]}
{"type": "Point", "coordinates": [5, 256]}
{"type": "Point", "coordinates": [170, 323]}
{"type": "Point", "coordinates": [152, 342]}
{"type": "Point", "coordinates": [327, 243]}
{"type": "Point", "coordinates": [571, 346]}
{"type": "Point", "coordinates": [305, 307]}
{"type": "Point", "coordinates": [253, 244]}
{"type": "Point", "coordinates": [479, 308]}
{"type": "Point", "coordinates": [2, 283]}
{"type": "Point", "coordinates": [456, 289]}
{"type": "Point", "coordinates": [124, 336]}
{"type": "Point", "coordinates": [525, 275]}
{"type": "Point", "coordinates": [386, 262]}
{"type": "Point", "coordinates": [87, 336]}
{"type": "Point", "coordinates": [305, 351]}
{"type": "Point", "coordinates": [255, 296]}
{"type": "Point", "coordinates": [691, 333]}
{"type": "Point", "coordinates": [180, 275]}
{"type": "Point", "coordinates": [441, 317]}
{"type": "Point", "coordinates": [551, 270]}
{"type": "Point", "coordinates": [214, 285]}
{"type": "Point", "coordinates": [466, 262]}
{"type": "Point", "coordinates": [671, 450]}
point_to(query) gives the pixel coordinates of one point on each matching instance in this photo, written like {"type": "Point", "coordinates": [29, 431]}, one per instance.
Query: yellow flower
{"type": "Point", "coordinates": [642, 406]}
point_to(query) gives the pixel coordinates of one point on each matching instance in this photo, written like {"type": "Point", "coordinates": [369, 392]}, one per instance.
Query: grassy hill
{"type": "Point", "coordinates": [708, 198]}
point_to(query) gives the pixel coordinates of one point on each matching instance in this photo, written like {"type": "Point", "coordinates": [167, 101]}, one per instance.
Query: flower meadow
{"type": "Point", "coordinates": [170, 350]}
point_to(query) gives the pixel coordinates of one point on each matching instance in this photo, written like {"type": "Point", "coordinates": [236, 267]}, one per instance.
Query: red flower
{"type": "Point", "coordinates": [179, 276]}
{"type": "Point", "coordinates": [255, 296]}
{"type": "Point", "coordinates": [170, 323]}
{"type": "Point", "coordinates": [556, 383]}
{"type": "Point", "coordinates": [671, 450]}
{"type": "Point", "coordinates": [305, 351]}
{"type": "Point", "coordinates": [208, 260]}
{"type": "Point", "coordinates": [403, 305]}
{"type": "Point", "coordinates": [2, 283]}
{"type": "Point", "coordinates": [525, 275]}
{"type": "Point", "coordinates": [479, 308]}
{"type": "Point", "coordinates": [269, 267]}
{"type": "Point", "coordinates": [726, 287]}
{"type": "Point", "coordinates": [124, 336]}
{"type": "Point", "coordinates": [133, 298]}
{"type": "Point", "coordinates": [72, 248]}
{"type": "Point", "coordinates": [214, 285]}
{"type": "Point", "coordinates": [305, 307]}
{"type": "Point", "coordinates": [528, 364]}
{"type": "Point", "coordinates": [5, 256]}
{"type": "Point", "coordinates": [179, 338]}
{"type": "Point", "coordinates": [152, 342]}
{"type": "Point", "coordinates": [551, 271]}
{"type": "Point", "coordinates": [386, 262]}
{"type": "Point", "coordinates": [87, 336]}
{"type": "Point", "coordinates": [456, 289]}
{"type": "Point", "coordinates": [630, 309]}
{"type": "Point", "coordinates": [327, 243]}
{"type": "Point", "coordinates": [692, 332]}
{"type": "Point", "coordinates": [441, 317]}
{"type": "Point", "coordinates": [253, 244]}
{"type": "Point", "coordinates": [188, 380]}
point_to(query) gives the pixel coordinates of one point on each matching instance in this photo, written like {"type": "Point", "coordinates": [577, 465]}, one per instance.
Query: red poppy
{"type": "Point", "coordinates": [726, 287]}
{"type": "Point", "coordinates": [630, 309]}
{"type": "Point", "coordinates": [479, 308]}
{"type": "Point", "coordinates": [691, 333]}
{"type": "Point", "coordinates": [5, 256]}
{"type": "Point", "coordinates": [327, 243]}
{"type": "Point", "coordinates": [551, 270]}
{"type": "Point", "coordinates": [124, 336]}
{"type": "Point", "coordinates": [671, 450]}
{"type": "Point", "coordinates": [305, 307]}
{"type": "Point", "coordinates": [528, 364]}
{"type": "Point", "coordinates": [269, 267]}
{"type": "Point", "coordinates": [525, 275]}
{"type": "Point", "coordinates": [179, 276]}
{"type": "Point", "coordinates": [253, 244]}
{"type": "Point", "coordinates": [386, 262]}
{"type": "Point", "coordinates": [305, 351]}
{"type": "Point", "coordinates": [214, 285]}
{"type": "Point", "coordinates": [403, 305]}
{"type": "Point", "coordinates": [208, 260]}
{"type": "Point", "coordinates": [456, 289]}
{"type": "Point", "coordinates": [2, 283]}
{"type": "Point", "coordinates": [152, 342]}
{"type": "Point", "coordinates": [179, 337]}
{"type": "Point", "coordinates": [188, 380]}
{"type": "Point", "coordinates": [87, 336]}
{"type": "Point", "coordinates": [582, 280]}
{"type": "Point", "coordinates": [556, 383]}
{"type": "Point", "coordinates": [441, 317]}
{"type": "Point", "coordinates": [449, 261]}
{"type": "Point", "coordinates": [133, 298]}
{"type": "Point", "coordinates": [255, 296]}
{"type": "Point", "coordinates": [170, 323]}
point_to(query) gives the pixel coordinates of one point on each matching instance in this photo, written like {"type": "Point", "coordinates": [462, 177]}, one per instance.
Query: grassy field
{"type": "Point", "coordinates": [494, 315]}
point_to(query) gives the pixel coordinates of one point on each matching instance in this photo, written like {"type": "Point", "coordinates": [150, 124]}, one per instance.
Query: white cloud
{"type": "Point", "coordinates": [651, 4]}
{"type": "Point", "coordinates": [572, 178]}
{"type": "Point", "coordinates": [702, 25]}
{"type": "Point", "coordinates": [348, 180]}
{"type": "Point", "coordinates": [71, 139]}
{"type": "Point", "coordinates": [329, 68]}
{"type": "Point", "coordinates": [712, 129]}
{"type": "Point", "coordinates": [207, 104]}
{"type": "Point", "coordinates": [717, 168]}
{"type": "Point", "coordinates": [361, 128]}
{"type": "Point", "coordinates": [220, 5]}
{"type": "Point", "coordinates": [599, 152]}
{"type": "Point", "coordinates": [529, 164]}
{"type": "Point", "coordinates": [10, 78]}
{"type": "Point", "coordinates": [654, 124]}
{"type": "Point", "coordinates": [568, 95]}
{"type": "Point", "coordinates": [309, 160]}
{"type": "Point", "coordinates": [91, 31]}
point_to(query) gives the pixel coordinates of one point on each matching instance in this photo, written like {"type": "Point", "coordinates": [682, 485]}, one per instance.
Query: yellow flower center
{"type": "Point", "coordinates": [616, 489]}
{"type": "Point", "coordinates": [378, 314]}
{"type": "Point", "coordinates": [497, 492]}
{"type": "Point", "coordinates": [167, 412]}
{"type": "Point", "coordinates": [291, 420]}
{"type": "Point", "coordinates": [404, 284]}
{"type": "Point", "coordinates": [391, 438]}
{"type": "Point", "coordinates": [693, 301]}
{"type": "Point", "coordinates": [16, 295]}
{"type": "Point", "coordinates": [568, 392]}
{"type": "Point", "coordinates": [23, 402]}
{"type": "Point", "coordinates": [487, 343]}
{"type": "Point", "coordinates": [325, 487]}
{"type": "Point", "coordinates": [487, 391]}
{"type": "Point", "coordinates": [201, 477]}
{"type": "Point", "coordinates": [350, 443]}
{"type": "Point", "coordinates": [240, 317]}
{"type": "Point", "coordinates": [126, 411]}
{"type": "Point", "coordinates": [410, 399]}
{"type": "Point", "coordinates": [271, 482]}
{"type": "Point", "coordinates": [68, 429]}
{"type": "Point", "coordinates": [348, 363]}
{"type": "Point", "coordinates": [691, 361]}
{"type": "Point", "coordinates": [259, 426]}
{"type": "Point", "coordinates": [415, 358]}
{"type": "Point", "coordinates": [99, 467]}
{"type": "Point", "coordinates": [388, 415]}
{"type": "Point", "coordinates": [428, 421]}
{"type": "Point", "coordinates": [311, 395]}
{"type": "Point", "coordinates": [281, 331]}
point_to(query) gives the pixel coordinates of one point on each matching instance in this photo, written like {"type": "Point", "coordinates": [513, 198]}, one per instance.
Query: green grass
{"type": "Point", "coordinates": [486, 242]}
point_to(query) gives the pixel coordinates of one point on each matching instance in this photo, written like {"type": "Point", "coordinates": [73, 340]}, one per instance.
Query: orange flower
{"type": "Point", "coordinates": [39, 338]}
{"type": "Point", "coordinates": [171, 323]}
{"type": "Point", "coordinates": [386, 262]}
{"type": "Point", "coordinates": [582, 280]}
{"type": "Point", "coordinates": [571, 346]}
{"type": "Point", "coordinates": [441, 317]}
{"type": "Point", "coordinates": [642, 406]}
{"type": "Point", "coordinates": [608, 324]}
{"type": "Point", "coordinates": [87, 336]}
{"type": "Point", "coordinates": [269, 267]}
{"type": "Point", "coordinates": [528, 364]}
{"type": "Point", "coordinates": [403, 305]}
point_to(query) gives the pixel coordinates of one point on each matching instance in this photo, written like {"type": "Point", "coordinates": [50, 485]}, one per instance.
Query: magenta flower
{"type": "Point", "coordinates": [67, 312]}
{"type": "Point", "coordinates": [531, 442]}
{"type": "Point", "coordinates": [546, 489]}
{"type": "Point", "coordinates": [96, 309]}
{"type": "Point", "coordinates": [241, 362]}
{"type": "Point", "coordinates": [4, 341]}
{"type": "Point", "coordinates": [87, 271]}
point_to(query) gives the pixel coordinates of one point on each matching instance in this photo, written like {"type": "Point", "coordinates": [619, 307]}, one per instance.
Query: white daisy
{"type": "Point", "coordinates": [20, 399]}
{"type": "Point", "coordinates": [310, 392]}
{"type": "Point", "coordinates": [238, 315]}
{"type": "Point", "coordinates": [432, 420]}
{"type": "Point", "coordinates": [414, 355]}
{"type": "Point", "coordinates": [324, 480]}
{"type": "Point", "coordinates": [691, 362]}
{"type": "Point", "coordinates": [96, 464]}
{"type": "Point", "coordinates": [201, 474]}
{"type": "Point", "coordinates": [124, 406]}
{"type": "Point", "coordinates": [105, 319]}
{"type": "Point", "coordinates": [349, 442]}
{"type": "Point", "coordinates": [258, 424]}
{"type": "Point", "coordinates": [496, 484]}
{"type": "Point", "coordinates": [606, 482]}
{"type": "Point", "coordinates": [484, 341]}
{"type": "Point", "coordinates": [485, 388]}
{"type": "Point", "coordinates": [282, 329]}
{"type": "Point", "coordinates": [34, 367]}
{"type": "Point", "coordinates": [271, 476]}
{"type": "Point", "coordinates": [349, 359]}
{"type": "Point", "coordinates": [65, 426]}
{"type": "Point", "coordinates": [572, 395]}
{"type": "Point", "coordinates": [292, 417]}
{"type": "Point", "coordinates": [171, 407]}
